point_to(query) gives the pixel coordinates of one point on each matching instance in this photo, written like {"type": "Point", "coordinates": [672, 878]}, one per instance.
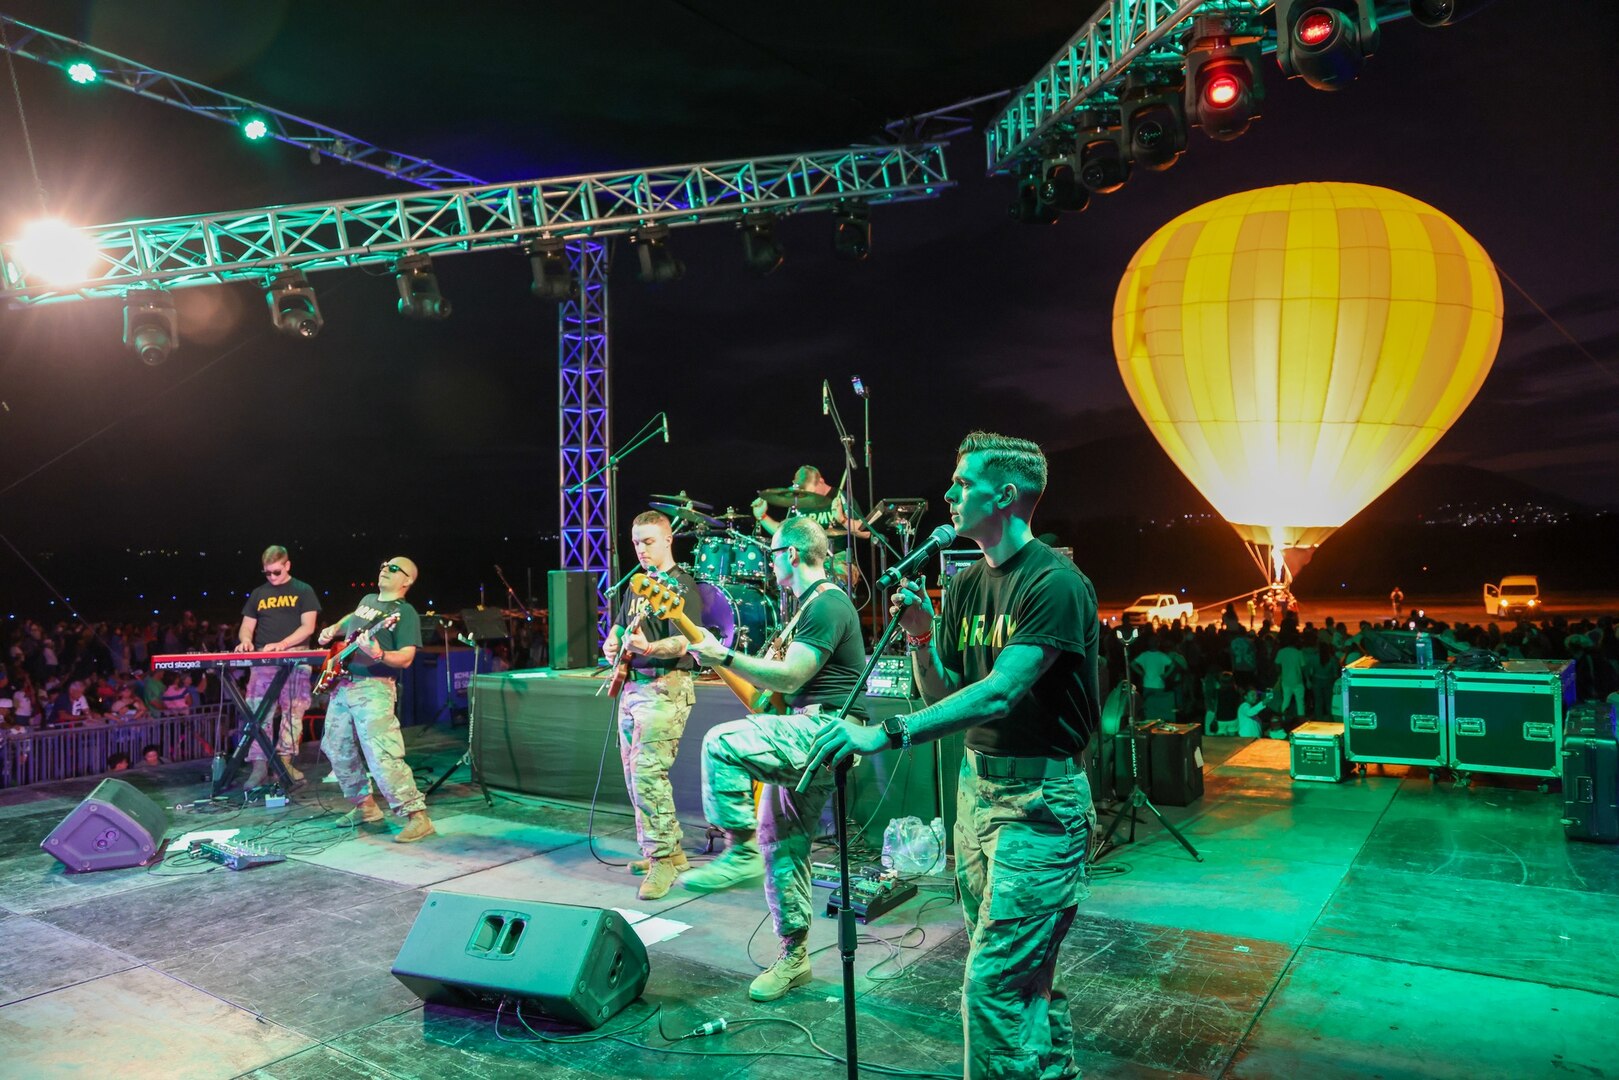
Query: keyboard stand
{"type": "Point", "coordinates": [255, 729]}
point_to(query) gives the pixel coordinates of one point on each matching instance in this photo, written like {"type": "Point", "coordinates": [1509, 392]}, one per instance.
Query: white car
{"type": "Point", "coordinates": [1158, 609]}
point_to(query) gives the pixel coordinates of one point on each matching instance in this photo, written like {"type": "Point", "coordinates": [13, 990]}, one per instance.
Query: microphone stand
{"type": "Point", "coordinates": [851, 509]}
{"type": "Point", "coordinates": [847, 937]}
{"type": "Point", "coordinates": [638, 440]}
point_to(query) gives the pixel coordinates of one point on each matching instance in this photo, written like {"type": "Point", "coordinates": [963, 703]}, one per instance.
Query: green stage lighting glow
{"type": "Point", "coordinates": [255, 129]}
{"type": "Point", "coordinates": [82, 72]}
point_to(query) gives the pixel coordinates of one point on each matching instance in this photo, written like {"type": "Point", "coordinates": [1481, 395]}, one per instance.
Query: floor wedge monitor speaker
{"type": "Point", "coordinates": [576, 965]}
{"type": "Point", "coordinates": [113, 828]}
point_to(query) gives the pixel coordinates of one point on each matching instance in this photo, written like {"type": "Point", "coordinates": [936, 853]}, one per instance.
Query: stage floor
{"type": "Point", "coordinates": [1386, 927]}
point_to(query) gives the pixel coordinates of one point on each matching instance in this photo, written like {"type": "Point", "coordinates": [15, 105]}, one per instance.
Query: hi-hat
{"type": "Point", "coordinates": [796, 498]}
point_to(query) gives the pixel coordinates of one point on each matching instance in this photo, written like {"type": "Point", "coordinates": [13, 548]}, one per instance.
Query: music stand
{"type": "Point", "coordinates": [485, 624]}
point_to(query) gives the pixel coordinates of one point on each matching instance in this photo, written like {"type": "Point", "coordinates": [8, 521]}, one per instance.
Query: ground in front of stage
{"type": "Point", "coordinates": [1390, 926]}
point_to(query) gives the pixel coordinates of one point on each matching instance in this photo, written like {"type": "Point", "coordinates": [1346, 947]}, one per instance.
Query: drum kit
{"type": "Point", "coordinates": [736, 590]}
{"type": "Point", "coordinates": [741, 603]}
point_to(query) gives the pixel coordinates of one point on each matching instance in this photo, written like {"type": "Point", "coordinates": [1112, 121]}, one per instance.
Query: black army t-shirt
{"type": "Point", "coordinates": [1037, 597]}
{"type": "Point", "coordinates": [279, 609]}
{"type": "Point", "coordinates": [407, 632]}
{"type": "Point", "coordinates": [658, 629]}
{"type": "Point", "coordinates": [831, 625]}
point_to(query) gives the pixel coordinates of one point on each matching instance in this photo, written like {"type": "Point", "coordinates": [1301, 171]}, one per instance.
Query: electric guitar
{"type": "Point", "coordinates": [336, 665]}
{"type": "Point", "coordinates": [667, 603]}
{"type": "Point", "coordinates": [621, 668]}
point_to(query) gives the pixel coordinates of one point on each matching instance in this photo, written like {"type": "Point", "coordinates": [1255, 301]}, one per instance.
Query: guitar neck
{"type": "Point", "coordinates": [755, 699]}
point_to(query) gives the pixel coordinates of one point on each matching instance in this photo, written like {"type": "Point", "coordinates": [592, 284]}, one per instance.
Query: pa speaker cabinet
{"type": "Point", "coordinates": [576, 965]}
{"type": "Point", "coordinates": [571, 604]}
{"type": "Point", "coordinates": [113, 828]}
{"type": "Point", "coordinates": [1177, 764]}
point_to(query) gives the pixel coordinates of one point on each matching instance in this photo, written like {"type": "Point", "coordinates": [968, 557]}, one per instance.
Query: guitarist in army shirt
{"type": "Point", "coordinates": [653, 706]}
{"type": "Point", "coordinates": [362, 730]}
{"type": "Point", "coordinates": [820, 664]}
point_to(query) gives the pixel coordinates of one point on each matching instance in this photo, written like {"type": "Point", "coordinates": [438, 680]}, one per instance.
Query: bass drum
{"type": "Point", "coordinates": [741, 616]}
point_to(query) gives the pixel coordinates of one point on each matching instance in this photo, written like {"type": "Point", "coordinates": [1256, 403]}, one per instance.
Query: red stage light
{"type": "Point", "coordinates": [1314, 28]}
{"type": "Point", "coordinates": [1222, 90]}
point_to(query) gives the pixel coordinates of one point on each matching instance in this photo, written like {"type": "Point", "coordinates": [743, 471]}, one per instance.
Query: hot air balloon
{"type": "Point", "coordinates": [1296, 349]}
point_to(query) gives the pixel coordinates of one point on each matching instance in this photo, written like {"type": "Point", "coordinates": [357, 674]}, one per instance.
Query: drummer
{"type": "Point", "coordinates": [812, 497]}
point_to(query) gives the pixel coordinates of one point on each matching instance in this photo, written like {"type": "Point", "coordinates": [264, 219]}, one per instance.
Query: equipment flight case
{"type": "Point", "coordinates": [1509, 721]}
{"type": "Point", "coordinates": [1394, 714]}
{"type": "Point", "coordinates": [1591, 774]}
{"type": "Point", "coordinates": [1316, 752]}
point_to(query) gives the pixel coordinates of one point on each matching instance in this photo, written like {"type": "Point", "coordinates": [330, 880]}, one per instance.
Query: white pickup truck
{"type": "Point", "coordinates": [1158, 609]}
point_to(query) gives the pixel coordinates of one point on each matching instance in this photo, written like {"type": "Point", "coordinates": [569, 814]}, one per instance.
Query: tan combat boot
{"type": "Point", "coordinates": [655, 886]}
{"type": "Point", "coordinates": [791, 969]}
{"type": "Point", "coordinates": [641, 866]}
{"type": "Point", "coordinates": [417, 828]}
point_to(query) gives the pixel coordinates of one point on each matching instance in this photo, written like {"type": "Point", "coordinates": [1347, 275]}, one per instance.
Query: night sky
{"type": "Point", "coordinates": [445, 435]}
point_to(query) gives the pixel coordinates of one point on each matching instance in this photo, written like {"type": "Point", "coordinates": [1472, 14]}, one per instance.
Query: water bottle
{"type": "Point", "coordinates": [219, 766]}
{"type": "Point", "coordinates": [1424, 650]}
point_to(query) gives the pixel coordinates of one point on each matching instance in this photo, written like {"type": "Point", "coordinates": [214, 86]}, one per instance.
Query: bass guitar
{"type": "Point", "coordinates": [667, 603]}
{"type": "Point", "coordinates": [337, 661]}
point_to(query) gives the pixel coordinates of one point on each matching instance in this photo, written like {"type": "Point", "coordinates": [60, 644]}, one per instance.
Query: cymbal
{"type": "Point", "coordinates": [686, 514]}
{"type": "Point", "coordinates": [682, 498]}
{"type": "Point", "coordinates": [733, 514]}
{"type": "Point", "coordinates": [834, 533]}
{"type": "Point", "coordinates": [797, 498]}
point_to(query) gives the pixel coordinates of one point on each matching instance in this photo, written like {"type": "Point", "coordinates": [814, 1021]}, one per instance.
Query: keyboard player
{"type": "Point", "coordinates": [279, 616]}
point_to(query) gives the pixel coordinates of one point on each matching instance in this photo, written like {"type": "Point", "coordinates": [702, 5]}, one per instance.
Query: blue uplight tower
{"type": "Point", "coordinates": [584, 424]}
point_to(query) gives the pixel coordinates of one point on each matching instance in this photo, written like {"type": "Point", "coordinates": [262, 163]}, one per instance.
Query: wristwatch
{"type": "Point", "coordinates": [730, 658]}
{"type": "Point", "coordinates": [899, 733]}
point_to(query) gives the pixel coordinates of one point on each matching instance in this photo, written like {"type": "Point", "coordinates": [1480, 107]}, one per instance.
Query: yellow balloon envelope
{"type": "Point", "coordinates": [1296, 349]}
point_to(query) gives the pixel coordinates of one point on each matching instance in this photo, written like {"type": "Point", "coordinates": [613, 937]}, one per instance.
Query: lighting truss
{"type": "Point", "coordinates": [247, 245]}
{"type": "Point", "coordinates": [45, 47]}
{"type": "Point", "coordinates": [1095, 61]}
{"type": "Point", "coordinates": [584, 426]}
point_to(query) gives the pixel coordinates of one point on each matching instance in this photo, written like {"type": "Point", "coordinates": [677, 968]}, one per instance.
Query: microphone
{"type": "Point", "coordinates": [859, 387]}
{"type": "Point", "coordinates": [666, 429]}
{"type": "Point", "coordinates": [939, 539]}
{"type": "Point", "coordinates": [826, 398]}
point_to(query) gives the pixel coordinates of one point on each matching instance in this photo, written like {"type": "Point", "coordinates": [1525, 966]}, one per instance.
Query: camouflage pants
{"type": "Point", "coordinates": [362, 733]}
{"type": "Point", "coordinates": [1020, 861]}
{"type": "Point", "coordinates": [772, 750]}
{"type": "Point", "coordinates": [291, 706]}
{"type": "Point", "coordinates": [651, 719]}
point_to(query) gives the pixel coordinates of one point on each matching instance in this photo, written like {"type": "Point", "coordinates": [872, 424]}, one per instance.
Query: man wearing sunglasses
{"type": "Point", "coordinates": [362, 731]}
{"type": "Point", "coordinates": [821, 662]}
{"type": "Point", "coordinates": [279, 616]}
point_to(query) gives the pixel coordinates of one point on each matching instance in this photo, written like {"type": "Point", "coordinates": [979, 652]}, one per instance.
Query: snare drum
{"type": "Point", "coordinates": [741, 616]}
{"type": "Point", "coordinates": [724, 559]}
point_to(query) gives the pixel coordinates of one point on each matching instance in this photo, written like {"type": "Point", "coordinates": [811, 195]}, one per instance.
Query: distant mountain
{"type": "Point", "coordinates": [1131, 476]}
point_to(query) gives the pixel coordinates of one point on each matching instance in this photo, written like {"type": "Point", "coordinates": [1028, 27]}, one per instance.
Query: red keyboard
{"type": "Point", "coordinates": [196, 660]}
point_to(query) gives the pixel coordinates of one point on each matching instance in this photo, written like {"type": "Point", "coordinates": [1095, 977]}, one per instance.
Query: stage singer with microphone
{"type": "Point", "coordinates": [1012, 662]}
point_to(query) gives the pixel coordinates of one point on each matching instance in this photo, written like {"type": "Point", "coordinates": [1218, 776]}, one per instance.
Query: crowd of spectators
{"type": "Point", "coordinates": [75, 673]}
{"type": "Point", "coordinates": [1238, 681]}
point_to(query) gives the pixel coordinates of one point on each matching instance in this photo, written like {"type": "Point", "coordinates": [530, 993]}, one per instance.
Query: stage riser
{"type": "Point", "coordinates": [542, 735]}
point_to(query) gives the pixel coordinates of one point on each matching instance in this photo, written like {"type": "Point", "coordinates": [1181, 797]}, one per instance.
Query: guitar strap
{"type": "Point", "coordinates": [778, 644]}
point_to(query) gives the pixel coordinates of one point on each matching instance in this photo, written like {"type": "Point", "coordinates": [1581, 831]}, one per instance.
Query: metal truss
{"type": "Point", "coordinates": [585, 426]}
{"type": "Point", "coordinates": [33, 43]}
{"type": "Point", "coordinates": [1094, 59]}
{"type": "Point", "coordinates": [249, 245]}
{"type": "Point", "coordinates": [1093, 64]}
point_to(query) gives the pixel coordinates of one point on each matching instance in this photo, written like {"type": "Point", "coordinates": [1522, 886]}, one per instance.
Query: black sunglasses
{"type": "Point", "coordinates": [395, 567]}
{"type": "Point", "coordinates": [778, 551]}
{"type": "Point", "coordinates": [272, 573]}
